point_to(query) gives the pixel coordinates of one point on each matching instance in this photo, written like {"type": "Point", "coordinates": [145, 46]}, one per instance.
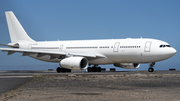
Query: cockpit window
{"type": "Point", "coordinates": [162, 46]}
{"type": "Point", "coordinates": [168, 46]}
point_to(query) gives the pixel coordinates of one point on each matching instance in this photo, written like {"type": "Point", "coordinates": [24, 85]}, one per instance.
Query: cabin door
{"type": "Point", "coordinates": [61, 48]}
{"type": "Point", "coordinates": [116, 46]}
{"type": "Point", "coordinates": [147, 47]}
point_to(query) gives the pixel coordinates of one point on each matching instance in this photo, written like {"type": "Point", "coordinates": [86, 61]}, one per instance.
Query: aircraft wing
{"type": "Point", "coordinates": [52, 54]}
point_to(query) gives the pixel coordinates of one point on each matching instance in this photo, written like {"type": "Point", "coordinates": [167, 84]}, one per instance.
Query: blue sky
{"type": "Point", "coordinates": [91, 19]}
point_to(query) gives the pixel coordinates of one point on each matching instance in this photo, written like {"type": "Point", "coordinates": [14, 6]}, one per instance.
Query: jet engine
{"type": "Point", "coordinates": [74, 63]}
{"type": "Point", "coordinates": [127, 65]}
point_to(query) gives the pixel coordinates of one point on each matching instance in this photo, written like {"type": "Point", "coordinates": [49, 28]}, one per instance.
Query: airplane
{"type": "Point", "coordinates": [87, 54]}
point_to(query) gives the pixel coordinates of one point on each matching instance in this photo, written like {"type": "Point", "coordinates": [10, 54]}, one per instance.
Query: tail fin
{"type": "Point", "coordinates": [16, 31]}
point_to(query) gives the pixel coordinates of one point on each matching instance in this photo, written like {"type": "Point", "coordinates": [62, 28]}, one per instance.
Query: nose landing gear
{"type": "Point", "coordinates": [151, 65]}
{"type": "Point", "coordinates": [151, 69]}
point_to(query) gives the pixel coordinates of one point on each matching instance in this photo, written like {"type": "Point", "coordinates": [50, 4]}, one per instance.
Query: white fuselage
{"type": "Point", "coordinates": [112, 50]}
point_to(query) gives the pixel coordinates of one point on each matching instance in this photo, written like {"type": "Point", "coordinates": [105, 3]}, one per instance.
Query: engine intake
{"type": "Point", "coordinates": [74, 63]}
{"type": "Point", "coordinates": [127, 65]}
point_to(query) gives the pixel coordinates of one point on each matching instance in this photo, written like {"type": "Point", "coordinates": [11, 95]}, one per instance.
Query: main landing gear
{"type": "Point", "coordinates": [151, 65]}
{"type": "Point", "coordinates": [63, 70]}
{"type": "Point", "coordinates": [94, 69]}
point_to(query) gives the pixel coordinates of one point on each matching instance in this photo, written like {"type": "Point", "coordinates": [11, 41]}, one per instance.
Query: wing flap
{"type": "Point", "coordinates": [26, 53]}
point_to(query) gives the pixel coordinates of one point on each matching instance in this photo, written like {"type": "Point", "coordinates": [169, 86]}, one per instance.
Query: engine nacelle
{"type": "Point", "coordinates": [127, 65]}
{"type": "Point", "coordinates": [74, 63]}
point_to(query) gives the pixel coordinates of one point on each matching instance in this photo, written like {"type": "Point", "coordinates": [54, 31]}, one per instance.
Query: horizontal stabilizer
{"type": "Point", "coordinates": [12, 46]}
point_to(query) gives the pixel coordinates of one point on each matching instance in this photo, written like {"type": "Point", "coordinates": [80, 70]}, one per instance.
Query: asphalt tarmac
{"type": "Point", "coordinates": [124, 85]}
{"type": "Point", "coordinates": [10, 83]}
{"type": "Point", "coordinates": [10, 80]}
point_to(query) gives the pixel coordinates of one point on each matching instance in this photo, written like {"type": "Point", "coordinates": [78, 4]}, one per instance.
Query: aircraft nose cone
{"type": "Point", "coordinates": [174, 51]}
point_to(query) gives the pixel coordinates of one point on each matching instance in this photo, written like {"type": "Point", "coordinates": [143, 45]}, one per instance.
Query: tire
{"type": "Point", "coordinates": [64, 70]}
{"type": "Point", "coordinates": [89, 69]}
{"type": "Point", "coordinates": [94, 69]}
{"type": "Point", "coordinates": [151, 69]}
{"type": "Point", "coordinates": [98, 69]}
{"type": "Point", "coordinates": [68, 70]}
{"type": "Point", "coordinates": [59, 70]}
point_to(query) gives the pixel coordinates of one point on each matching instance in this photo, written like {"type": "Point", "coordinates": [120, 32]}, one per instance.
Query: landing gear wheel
{"type": "Point", "coordinates": [151, 65]}
{"type": "Point", "coordinates": [94, 69]}
{"type": "Point", "coordinates": [58, 69]}
{"type": "Point", "coordinates": [64, 70]}
{"type": "Point", "coordinates": [98, 69]}
{"type": "Point", "coordinates": [89, 69]}
{"type": "Point", "coordinates": [151, 69]}
{"type": "Point", "coordinates": [68, 70]}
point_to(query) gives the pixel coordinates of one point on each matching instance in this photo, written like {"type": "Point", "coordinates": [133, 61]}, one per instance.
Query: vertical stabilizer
{"type": "Point", "coordinates": [16, 31]}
